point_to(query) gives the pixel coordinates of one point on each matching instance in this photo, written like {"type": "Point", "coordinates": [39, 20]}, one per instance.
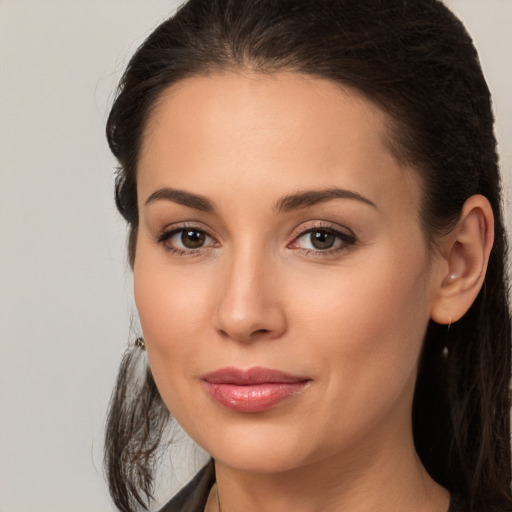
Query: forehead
{"type": "Point", "coordinates": [285, 131]}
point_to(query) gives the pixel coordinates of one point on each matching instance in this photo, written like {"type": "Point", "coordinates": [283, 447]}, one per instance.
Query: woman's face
{"type": "Point", "coordinates": [281, 276]}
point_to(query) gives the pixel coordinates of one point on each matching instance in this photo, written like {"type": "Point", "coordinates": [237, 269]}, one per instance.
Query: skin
{"type": "Point", "coordinates": [257, 293]}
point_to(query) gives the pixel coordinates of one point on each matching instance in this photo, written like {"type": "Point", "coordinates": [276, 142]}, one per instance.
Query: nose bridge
{"type": "Point", "coordinates": [249, 306]}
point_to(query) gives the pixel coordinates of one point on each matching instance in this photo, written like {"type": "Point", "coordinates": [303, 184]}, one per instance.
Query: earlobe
{"type": "Point", "coordinates": [466, 250]}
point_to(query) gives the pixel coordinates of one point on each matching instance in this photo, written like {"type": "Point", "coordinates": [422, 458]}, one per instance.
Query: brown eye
{"type": "Point", "coordinates": [185, 240]}
{"type": "Point", "coordinates": [322, 240]}
{"type": "Point", "coordinates": [192, 238]}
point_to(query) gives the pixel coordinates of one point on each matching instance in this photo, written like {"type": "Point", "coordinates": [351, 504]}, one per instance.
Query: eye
{"type": "Point", "coordinates": [190, 238]}
{"type": "Point", "coordinates": [322, 240]}
{"type": "Point", "coordinates": [185, 240]}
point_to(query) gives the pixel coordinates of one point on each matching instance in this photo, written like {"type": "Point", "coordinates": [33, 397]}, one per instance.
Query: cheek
{"type": "Point", "coordinates": [170, 297]}
{"type": "Point", "coordinates": [367, 325]}
{"type": "Point", "coordinates": [164, 310]}
{"type": "Point", "coordinates": [173, 308]}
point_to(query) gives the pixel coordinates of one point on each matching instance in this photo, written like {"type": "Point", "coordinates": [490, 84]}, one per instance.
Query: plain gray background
{"type": "Point", "coordinates": [66, 304]}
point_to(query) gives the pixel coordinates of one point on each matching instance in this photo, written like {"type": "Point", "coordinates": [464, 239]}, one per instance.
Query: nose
{"type": "Point", "coordinates": [249, 306]}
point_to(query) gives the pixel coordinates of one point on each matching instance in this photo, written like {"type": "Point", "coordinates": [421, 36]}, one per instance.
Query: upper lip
{"type": "Point", "coordinates": [251, 376]}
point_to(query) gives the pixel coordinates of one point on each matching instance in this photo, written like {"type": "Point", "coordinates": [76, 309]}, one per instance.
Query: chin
{"type": "Point", "coordinates": [264, 448]}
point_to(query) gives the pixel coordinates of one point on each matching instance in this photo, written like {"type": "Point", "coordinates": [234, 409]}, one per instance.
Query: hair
{"type": "Point", "coordinates": [415, 60]}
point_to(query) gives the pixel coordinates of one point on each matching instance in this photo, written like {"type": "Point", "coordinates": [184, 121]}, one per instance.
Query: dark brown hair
{"type": "Point", "coordinates": [416, 61]}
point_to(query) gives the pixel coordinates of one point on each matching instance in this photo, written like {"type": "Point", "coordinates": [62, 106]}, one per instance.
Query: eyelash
{"type": "Point", "coordinates": [345, 240]}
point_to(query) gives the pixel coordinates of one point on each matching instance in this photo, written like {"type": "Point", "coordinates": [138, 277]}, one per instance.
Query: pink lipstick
{"type": "Point", "coordinates": [252, 390]}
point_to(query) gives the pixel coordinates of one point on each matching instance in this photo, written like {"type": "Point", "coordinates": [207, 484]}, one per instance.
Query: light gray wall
{"type": "Point", "coordinates": [65, 290]}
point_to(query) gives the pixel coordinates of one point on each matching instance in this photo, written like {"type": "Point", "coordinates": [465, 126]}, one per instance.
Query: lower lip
{"type": "Point", "coordinates": [254, 397]}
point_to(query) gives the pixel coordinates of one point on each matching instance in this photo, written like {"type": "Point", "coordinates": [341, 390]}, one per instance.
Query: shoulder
{"type": "Point", "coordinates": [192, 498]}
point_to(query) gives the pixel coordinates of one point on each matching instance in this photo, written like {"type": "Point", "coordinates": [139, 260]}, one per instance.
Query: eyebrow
{"type": "Point", "coordinates": [300, 200]}
{"type": "Point", "coordinates": [311, 197]}
{"type": "Point", "coordinates": [181, 197]}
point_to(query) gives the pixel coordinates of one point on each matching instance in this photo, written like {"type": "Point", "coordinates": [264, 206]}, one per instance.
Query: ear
{"type": "Point", "coordinates": [465, 254]}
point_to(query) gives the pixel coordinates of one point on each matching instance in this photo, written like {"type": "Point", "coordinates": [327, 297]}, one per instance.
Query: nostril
{"type": "Point", "coordinates": [260, 332]}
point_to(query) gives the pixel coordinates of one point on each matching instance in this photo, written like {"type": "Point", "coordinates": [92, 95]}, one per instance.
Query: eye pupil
{"type": "Point", "coordinates": [192, 239]}
{"type": "Point", "coordinates": [322, 239]}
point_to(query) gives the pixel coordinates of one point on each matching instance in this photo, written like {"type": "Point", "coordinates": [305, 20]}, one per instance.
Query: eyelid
{"type": "Point", "coordinates": [322, 224]}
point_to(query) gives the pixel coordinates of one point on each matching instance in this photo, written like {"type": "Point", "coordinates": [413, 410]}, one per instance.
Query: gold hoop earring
{"type": "Point", "coordinates": [140, 343]}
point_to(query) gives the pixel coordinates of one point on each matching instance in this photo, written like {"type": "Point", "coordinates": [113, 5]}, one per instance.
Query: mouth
{"type": "Point", "coordinates": [252, 390]}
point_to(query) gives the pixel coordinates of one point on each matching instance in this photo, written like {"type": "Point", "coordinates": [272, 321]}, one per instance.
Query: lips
{"type": "Point", "coordinates": [253, 390]}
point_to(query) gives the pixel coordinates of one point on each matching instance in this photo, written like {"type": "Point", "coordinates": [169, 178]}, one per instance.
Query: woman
{"type": "Point", "coordinates": [313, 198]}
